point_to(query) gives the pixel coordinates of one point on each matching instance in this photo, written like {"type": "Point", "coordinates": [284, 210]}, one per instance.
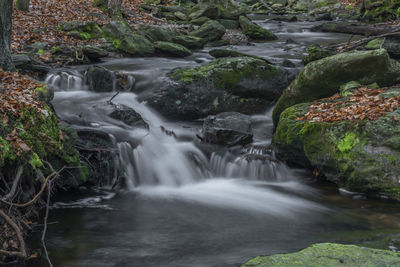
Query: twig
{"type": "Point", "coordinates": [15, 183]}
{"type": "Point", "coordinates": [22, 252]}
{"type": "Point", "coordinates": [114, 96]}
{"type": "Point", "coordinates": [357, 43]}
{"type": "Point", "coordinates": [45, 224]}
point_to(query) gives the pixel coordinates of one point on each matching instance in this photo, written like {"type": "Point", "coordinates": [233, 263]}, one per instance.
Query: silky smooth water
{"type": "Point", "coordinates": [190, 204]}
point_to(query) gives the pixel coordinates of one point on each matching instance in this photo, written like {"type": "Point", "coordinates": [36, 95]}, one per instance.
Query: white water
{"type": "Point", "coordinates": [162, 166]}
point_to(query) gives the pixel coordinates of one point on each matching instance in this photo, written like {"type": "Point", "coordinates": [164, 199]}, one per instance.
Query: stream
{"type": "Point", "coordinates": [186, 204]}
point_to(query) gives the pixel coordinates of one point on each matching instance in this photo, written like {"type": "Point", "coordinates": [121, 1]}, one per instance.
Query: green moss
{"type": "Point", "coordinates": [117, 43]}
{"type": "Point", "coordinates": [35, 161]}
{"type": "Point", "coordinates": [348, 142]}
{"type": "Point", "coordinates": [329, 255]}
{"type": "Point", "coordinates": [41, 51]}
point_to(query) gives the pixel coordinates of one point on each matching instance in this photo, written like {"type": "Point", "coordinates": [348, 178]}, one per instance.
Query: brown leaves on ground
{"type": "Point", "coordinates": [363, 104]}
{"type": "Point", "coordinates": [40, 23]}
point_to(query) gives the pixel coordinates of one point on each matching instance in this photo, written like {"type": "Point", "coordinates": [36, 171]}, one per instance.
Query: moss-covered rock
{"type": "Point", "coordinates": [126, 40]}
{"type": "Point", "coordinates": [156, 33]}
{"type": "Point", "coordinates": [242, 84]}
{"type": "Point", "coordinates": [361, 156]}
{"type": "Point", "coordinates": [172, 49]}
{"type": "Point", "coordinates": [210, 31]}
{"type": "Point", "coordinates": [255, 32]}
{"type": "Point", "coordinates": [188, 41]}
{"type": "Point", "coordinates": [315, 52]}
{"type": "Point", "coordinates": [329, 255]}
{"type": "Point", "coordinates": [322, 78]}
{"type": "Point", "coordinates": [219, 53]}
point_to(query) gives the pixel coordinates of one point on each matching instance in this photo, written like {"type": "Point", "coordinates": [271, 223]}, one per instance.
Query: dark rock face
{"type": "Point", "coordinates": [101, 79]}
{"type": "Point", "coordinates": [241, 84]}
{"type": "Point", "coordinates": [228, 128]}
{"type": "Point", "coordinates": [128, 115]}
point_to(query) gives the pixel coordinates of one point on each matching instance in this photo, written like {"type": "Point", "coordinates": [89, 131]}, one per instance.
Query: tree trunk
{"type": "Point", "coordinates": [114, 6]}
{"type": "Point", "coordinates": [6, 7]}
{"type": "Point", "coordinates": [22, 5]}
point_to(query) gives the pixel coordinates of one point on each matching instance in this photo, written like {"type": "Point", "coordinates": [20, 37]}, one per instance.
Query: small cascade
{"type": "Point", "coordinates": [70, 80]}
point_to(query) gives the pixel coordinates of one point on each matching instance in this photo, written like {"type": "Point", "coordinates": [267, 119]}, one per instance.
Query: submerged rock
{"type": "Point", "coordinates": [359, 155]}
{"type": "Point", "coordinates": [322, 78]}
{"type": "Point", "coordinates": [242, 84]}
{"type": "Point", "coordinates": [127, 115]}
{"type": "Point", "coordinates": [329, 254]}
{"type": "Point", "coordinates": [228, 128]}
{"type": "Point", "coordinates": [255, 32]}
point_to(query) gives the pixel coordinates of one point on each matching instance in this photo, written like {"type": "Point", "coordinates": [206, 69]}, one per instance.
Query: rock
{"type": "Point", "coordinates": [128, 116]}
{"type": "Point", "coordinates": [316, 52]}
{"type": "Point", "coordinates": [288, 64]}
{"type": "Point", "coordinates": [219, 53]}
{"type": "Point", "coordinates": [360, 155]}
{"type": "Point", "coordinates": [352, 28]}
{"type": "Point", "coordinates": [345, 89]}
{"type": "Point", "coordinates": [125, 81]}
{"type": "Point", "coordinates": [204, 10]}
{"type": "Point", "coordinates": [322, 78]}
{"type": "Point", "coordinates": [329, 254]}
{"type": "Point", "coordinates": [199, 21]}
{"type": "Point", "coordinates": [255, 32]}
{"type": "Point", "coordinates": [94, 52]}
{"type": "Point", "coordinates": [326, 16]}
{"type": "Point", "coordinates": [82, 30]}
{"type": "Point", "coordinates": [392, 46]}
{"type": "Point", "coordinates": [172, 49]}
{"type": "Point", "coordinates": [191, 42]}
{"type": "Point", "coordinates": [242, 84]}
{"type": "Point", "coordinates": [21, 61]}
{"type": "Point", "coordinates": [228, 128]}
{"type": "Point", "coordinates": [217, 43]}
{"type": "Point", "coordinates": [100, 79]}
{"type": "Point", "coordinates": [180, 15]}
{"type": "Point", "coordinates": [210, 31]}
{"type": "Point", "coordinates": [229, 24]}
{"type": "Point", "coordinates": [155, 33]}
{"type": "Point", "coordinates": [126, 40]}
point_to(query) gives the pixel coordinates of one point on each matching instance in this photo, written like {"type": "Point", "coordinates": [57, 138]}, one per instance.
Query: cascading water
{"type": "Point", "coordinates": [162, 164]}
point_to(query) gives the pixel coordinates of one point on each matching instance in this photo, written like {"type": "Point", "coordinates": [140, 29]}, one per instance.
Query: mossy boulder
{"type": "Point", "coordinates": [82, 30]}
{"type": "Point", "coordinates": [210, 31]}
{"type": "Point", "coordinates": [329, 255]}
{"type": "Point", "coordinates": [323, 78]}
{"type": "Point", "coordinates": [242, 84]}
{"type": "Point", "coordinates": [100, 79]}
{"type": "Point", "coordinates": [172, 49]}
{"type": "Point", "coordinates": [156, 33]}
{"type": "Point", "coordinates": [360, 155]}
{"type": "Point", "coordinates": [126, 40]}
{"type": "Point", "coordinates": [315, 52]}
{"type": "Point", "coordinates": [219, 53]}
{"type": "Point", "coordinates": [254, 31]}
{"type": "Point", "coordinates": [191, 42]}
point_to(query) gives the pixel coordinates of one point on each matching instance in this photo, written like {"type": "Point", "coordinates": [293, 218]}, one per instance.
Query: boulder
{"type": "Point", "coordinates": [255, 32]}
{"type": "Point", "coordinates": [155, 33]}
{"type": "Point", "coordinates": [128, 116]}
{"type": "Point", "coordinates": [229, 23]}
{"type": "Point", "coordinates": [219, 53]}
{"type": "Point", "coordinates": [93, 52]}
{"type": "Point", "coordinates": [329, 254]}
{"type": "Point", "coordinates": [316, 52]}
{"type": "Point", "coordinates": [126, 40]}
{"type": "Point", "coordinates": [358, 155]}
{"type": "Point", "coordinates": [172, 49]}
{"type": "Point", "coordinates": [100, 79]}
{"type": "Point", "coordinates": [199, 21]}
{"type": "Point", "coordinates": [191, 42]}
{"type": "Point", "coordinates": [242, 84]}
{"type": "Point", "coordinates": [228, 128]}
{"type": "Point", "coordinates": [204, 10]}
{"type": "Point", "coordinates": [323, 77]}
{"type": "Point", "coordinates": [210, 31]}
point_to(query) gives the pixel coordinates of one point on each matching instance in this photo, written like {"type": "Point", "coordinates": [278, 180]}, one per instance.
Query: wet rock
{"type": "Point", "coordinates": [172, 49]}
{"type": "Point", "coordinates": [329, 254]}
{"type": "Point", "coordinates": [288, 64]}
{"type": "Point", "coordinates": [242, 84]}
{"type": "Point", "coordinates": [93, 52]}
{"type": "Point", "coordinates": [156, 33]}
{"type": "Point", "coordinates": [255, 32]}
{"type": "Point", "coordinates": [125, 81]}
{"type": "Point", "coordinates": [126, 40]}
{"type": "Point", "coordinates": [210, 31]}
{"type": "Point", "coordinates": [228, 128]}
{"type": "Point", "coordinates": [219, 53]}
{"type": "Point", "coordinates": [191, 42]}
{"type": "Point", "coordinates": [127, 115]}
{"type": "Point", "coordinates": [100, 79]}
{"type": "Point", "coordinates": [326, 16]}
{"type": "Point", "coordinates": [322, 78]}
